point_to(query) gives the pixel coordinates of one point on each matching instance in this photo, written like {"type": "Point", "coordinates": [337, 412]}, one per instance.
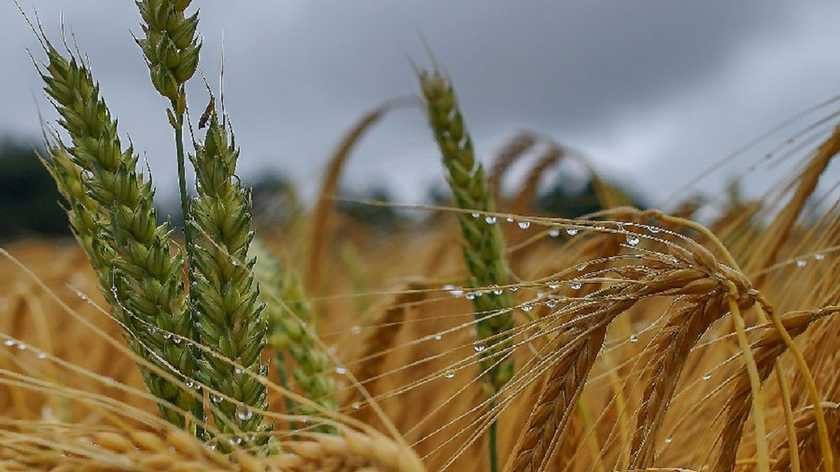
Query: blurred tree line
{"type": "Point", "coordinates": [29, 201]}
{"type": "Point", "coordinates": [31, 206]}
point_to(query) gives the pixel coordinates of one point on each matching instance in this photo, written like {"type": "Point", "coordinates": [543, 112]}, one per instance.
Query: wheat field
{"type": "Point", "coordinates": [482, 337]}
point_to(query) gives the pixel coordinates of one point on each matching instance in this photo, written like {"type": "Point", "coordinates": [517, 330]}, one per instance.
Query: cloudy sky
{"type": "Point", "coordinates": [654, 91]}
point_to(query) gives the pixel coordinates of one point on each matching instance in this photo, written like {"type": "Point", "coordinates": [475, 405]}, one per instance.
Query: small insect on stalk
{"type": "Point", "coordinates": [483, 246]}
{"type": "Point", "coordinates": [229, 313]}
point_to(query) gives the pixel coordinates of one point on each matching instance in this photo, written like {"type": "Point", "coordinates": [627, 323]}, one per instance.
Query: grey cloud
{"type": "Point", "coordinates": [643, 86]}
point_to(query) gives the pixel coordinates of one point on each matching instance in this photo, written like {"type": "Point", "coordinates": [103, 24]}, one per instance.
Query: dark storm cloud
{"type": "Point", "coordinates": [654, 86]}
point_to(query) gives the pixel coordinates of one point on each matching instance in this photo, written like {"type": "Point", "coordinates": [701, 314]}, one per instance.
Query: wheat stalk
{"type": "Point", "coordinates": [507, 156]}
{"type": "Point", "coordinates": [483, 246]}
{"type": "Point", "coordinates": [287, 333]}
{"type": "Point", "coordinates": [113, 214]}
{"type": "Point", "coordinates": [766, 350]}
{"type": "Point", "coordinates": [229, 313]}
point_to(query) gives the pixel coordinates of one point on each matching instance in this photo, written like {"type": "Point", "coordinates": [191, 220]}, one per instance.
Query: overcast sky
{"type": "Point", "coordinates": [653, 91]}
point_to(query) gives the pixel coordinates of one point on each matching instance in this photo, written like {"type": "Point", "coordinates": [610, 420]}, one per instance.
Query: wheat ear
{"type": "Point", "coordinates": [113, 215]}
{"type": "Point", "coordinates": [286, 333]}
{"type": "Point", "coordinates": [172, 51]}
{"type": "Point", "coordinates": [483, 245]}
{"type": "Point", "coordinates": [229, 313]}
{"type": "Point", "coordinates": [170, 46]}
{"type": "Point", "coordinates": [507, 156]}
{"type": "Point", "coordinates": [766, 351]}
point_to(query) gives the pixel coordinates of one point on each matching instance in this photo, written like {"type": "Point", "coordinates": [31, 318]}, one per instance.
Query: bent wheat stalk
{"type": "Point", "coordinates": [766, 351]}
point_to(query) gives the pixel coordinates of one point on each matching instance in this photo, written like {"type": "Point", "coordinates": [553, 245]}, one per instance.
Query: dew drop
{"type": "Point", "coordinates": [9, 342]}
{"type": "Point", "coordinates": [475, 214]}
{"type": "Point", "coordinates": [340, 370]}
{"type": "Point", "coordinates": [490, 220]}
{"type": "Point", "coordinates": [554, 232]}
{"type": "Point", "coordinates": [22, 346]}
{"type": "Point", "coordinates": [707, 376]}
{"type": "Point", "coordinates": [524, 224]}
{"type": "Point", "coordinates": [471, 295]}
{"type": "Point", "coordinates": [212, 446]}
{"type": "Point", "coordinates": [479, 347]}
{"type": "Point", "coordinates": [653, 229]}
{"type": "Point", "coordinates": [216, 398]}
{"type": "Point", "coordinates": [453, 290]}
{"type": "Point", "coordinates": [357, 406]}
{"type": "Point", "coordinates": [497, 290]}
{"type": "Point", "coordinates": [237, 370]}
{"type": "Point", "coordinates": [801, 263]}
{"type": "Point", "coordinates": [553, 284]}
{"type": "Point", "coordinates": [819, 256]}
{"type": "Point", "coordinates": [356, 329]}
{"type": "Point", "coordinates": [509, 219]}
{"type": "Point", "coordinates": [572, 231]}
{"type": "Point", "coordinates": [236, 440]}
{"type": "Point", "coordinates": [513, 289]}
{"type": "Point", "coordinates": [167, 336]}
{"type": "Point", "coordinates": [176, 339]}
{"type": "Point", "coordinates": [575, 285]}
{"type": "Point", "coordinates": [668, 440]}
{"type": "Point", "coordinates": [551, 302]}
{"type": "Point", "coordinates": [437, 337]}
{"type": "Point", "coordinates": [449, 374]}
{"type": "Point", "coordinates": [189, 383]}
{"type": "Point", "coordinates": [634, 338]}
{"type": "Point", "coordinates": [42, 355]}
{"type": "Point", "coordinates": [527, 307]}
{"type": "Point", "coordinates": [632, 240]}
{"type": "Point", "coordinates": [244, 413]}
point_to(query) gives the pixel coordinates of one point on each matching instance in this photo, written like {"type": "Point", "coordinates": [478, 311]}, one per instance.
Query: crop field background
{"type": "Point", "coordinates": [415, 298]}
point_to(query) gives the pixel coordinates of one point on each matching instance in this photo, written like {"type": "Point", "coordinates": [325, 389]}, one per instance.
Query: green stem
{"type": "Point", "coordinates": [198, 411]}
{"type": "Point", "coordinates": [283, 378]}
{"type": "Point", "coordinates": [182, 186]}
{"type": "Point", "coordinates": [494, 458]}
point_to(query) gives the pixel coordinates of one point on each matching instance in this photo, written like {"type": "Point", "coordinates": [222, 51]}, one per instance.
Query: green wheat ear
{"type": "Point", "coordinates": [483, 245]}
{"type": "Point", "coordinates": [228, 309]}
{"type": "Point", "coordinates": [282, 292]}
{"type": "Point", "coordinates": [112, 212]}
{"type": "Point", "coordinates": [170, 46]}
